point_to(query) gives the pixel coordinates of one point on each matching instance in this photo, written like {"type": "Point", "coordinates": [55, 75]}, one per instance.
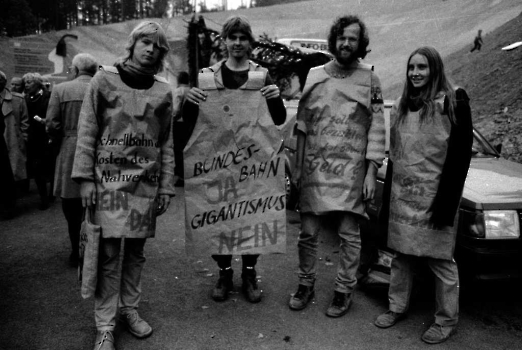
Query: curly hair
{"type": "Point", "coordinates": [337, 29]}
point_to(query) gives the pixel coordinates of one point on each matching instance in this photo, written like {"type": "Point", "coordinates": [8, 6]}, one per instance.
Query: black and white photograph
{"type": "Point", "coordinates": [260, 174]}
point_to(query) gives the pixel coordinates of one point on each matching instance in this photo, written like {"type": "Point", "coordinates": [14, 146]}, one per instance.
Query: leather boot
{"type": "Point", "coordinates": [224, 285]}
{"type": "Point", "coordinates": [250, 289]}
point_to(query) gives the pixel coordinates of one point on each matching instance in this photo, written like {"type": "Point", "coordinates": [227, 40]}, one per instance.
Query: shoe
{"type": "Point", "coordinates": [437, 334]}
{"type": "Point", "coordinates": [301, 298]}
{"type": "Point", "coordinates": [224, 285]}
{"type": "Point", "coordinates": [136, 325]}
{"type": "Point", "coordinates": [252, 293]}
{"type": "Point", "coordinates": [388, 319]}
{"type": "Point", "coordinates": [340, 304]}
{"type": "Point", "coordinates": [104, 341]}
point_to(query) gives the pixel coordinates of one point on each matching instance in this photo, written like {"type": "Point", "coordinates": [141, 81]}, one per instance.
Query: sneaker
{"type": "Point", "coordinates": [104, 341]}
{"type": "Point", "coordinates": [301, 298]}
{"type": "Point", "coordinates": [437, 334]}
{"type": "Point", "coordinates": [252, 293]}
{"type": "Point", "coordinates": [224, 285]}
{"type": "Point", "coordinates": [136, 325]}
{"type": "Point", "coordinates": [388, 319]}
{"type": "Point", "coordinates": [340, 304]}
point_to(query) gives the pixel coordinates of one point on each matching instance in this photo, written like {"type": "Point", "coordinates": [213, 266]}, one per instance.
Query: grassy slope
{"type": "Point", "coordinates": [396, 27]}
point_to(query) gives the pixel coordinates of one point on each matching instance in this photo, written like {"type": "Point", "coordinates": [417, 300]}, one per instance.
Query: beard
{"type": "Point", "coordinates": [345, 56]}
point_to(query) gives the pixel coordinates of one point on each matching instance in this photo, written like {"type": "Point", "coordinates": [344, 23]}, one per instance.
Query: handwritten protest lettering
{"type": "Point", "coordinates": [130, 140]}
{"type": "Point", "coordinates": [108, 176]}
{"type": "Point", "coordinates": [111, 159]}
{"type": "Point", "coordinates": [260, 235]}
{"type": "Point", "coordinates": [224, 160]}
{"type": "Point", "coordinates": [238, 209]}
{"type": "Point", "coordinates": [332, 163]}
{"type": "Point", "coordinates": [139, 221]}
{"type": "Point", "coordinates": [219, 192]}
{"type": "Point", "coordinates": [112, 201]}
{"type": "Point", "coordinates": [258, 170]}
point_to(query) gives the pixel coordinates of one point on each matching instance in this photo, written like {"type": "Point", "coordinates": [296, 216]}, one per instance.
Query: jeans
{"type": "Point", "coordinates": [118, 287]}
{"type": "Point", "coordinates": [446, 287]}
{"type": "Point", "coordinates": [350, 247]}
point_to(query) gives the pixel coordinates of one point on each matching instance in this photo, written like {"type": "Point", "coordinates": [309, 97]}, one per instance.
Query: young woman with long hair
{"type": "Point", "coordinates": [430, 150]}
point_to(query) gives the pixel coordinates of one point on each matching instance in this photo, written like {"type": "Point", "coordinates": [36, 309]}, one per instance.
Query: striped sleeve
{"type": "Point", "coordinates": [376, 133]}
{"type": "Point", "coordinates": [83, 166]}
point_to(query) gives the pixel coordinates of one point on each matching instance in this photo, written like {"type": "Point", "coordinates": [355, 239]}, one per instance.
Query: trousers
{"type": "Point", "coordinates": [446, 286]}
{"type": "Point", "coordinates": [349, 255]}
{"type": "Point", "coordinates": [73, 210]}
{"type": "Point", "coordinates": [119, 280]}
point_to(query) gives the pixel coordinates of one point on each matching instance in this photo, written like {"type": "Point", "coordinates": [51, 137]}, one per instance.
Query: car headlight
{"type": "Point", "coordinates": [490, 224]}
{"type": "Point", "coordinates": [501, 224]}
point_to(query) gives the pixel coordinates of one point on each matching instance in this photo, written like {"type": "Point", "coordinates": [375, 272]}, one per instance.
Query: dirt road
{"type": "Point", "coordinates": [41, 307]}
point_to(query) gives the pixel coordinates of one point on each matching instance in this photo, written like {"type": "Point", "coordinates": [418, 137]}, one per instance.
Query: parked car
{"type": "Point", "coordinates": [489, 246]}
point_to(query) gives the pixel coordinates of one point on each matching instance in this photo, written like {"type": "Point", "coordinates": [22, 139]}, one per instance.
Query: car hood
{"type": "Point", "coordinates": [493, 183]}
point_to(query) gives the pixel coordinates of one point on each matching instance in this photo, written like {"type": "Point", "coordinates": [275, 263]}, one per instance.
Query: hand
{"type": "Point", "coordinates": [196, 95]}
{"type": "Point", "coordinates": [270, 91]}
{"type": "Point", "coordinates": [88, 193]}
{"type": "Point", "coordinates": [369, 186]}
{"type": "Point", "coordinates": [163, 202]}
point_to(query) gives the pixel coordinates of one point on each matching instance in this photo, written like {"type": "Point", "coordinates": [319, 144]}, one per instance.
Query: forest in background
{"type": "Point", "coordinates": [28, 17]}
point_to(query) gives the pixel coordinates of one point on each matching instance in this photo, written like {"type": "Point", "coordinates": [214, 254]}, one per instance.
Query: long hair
{"type": "Point", "coordinates": [337, 29]}
{"type": "Point", "coordinates": [156, 33]}
{"type": "Point", "coordinates": [237, 24]}
{"type": "Point", "coordinates": [437, 83]}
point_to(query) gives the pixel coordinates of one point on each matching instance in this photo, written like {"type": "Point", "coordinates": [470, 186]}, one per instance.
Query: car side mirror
{"type": "Point", "coordinates": [498, 148]}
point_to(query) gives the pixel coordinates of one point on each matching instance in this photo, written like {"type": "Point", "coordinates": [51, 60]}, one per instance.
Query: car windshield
{"type": "Point", "coordinates": [481, 147]}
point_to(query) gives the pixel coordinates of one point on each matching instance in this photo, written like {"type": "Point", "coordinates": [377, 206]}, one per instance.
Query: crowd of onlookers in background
{"type": "Point", "coordinates": [26, 151]}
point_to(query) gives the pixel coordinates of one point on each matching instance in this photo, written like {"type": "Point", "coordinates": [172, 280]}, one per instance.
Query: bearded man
{"type": "Point", "coordinates": [340, 145]}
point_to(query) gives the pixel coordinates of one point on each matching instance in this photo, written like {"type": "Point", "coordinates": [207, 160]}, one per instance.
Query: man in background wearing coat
{"type": "Point", "coordinates": [62, 123]}
{"type": "Point", "coordinates": [14, 120]}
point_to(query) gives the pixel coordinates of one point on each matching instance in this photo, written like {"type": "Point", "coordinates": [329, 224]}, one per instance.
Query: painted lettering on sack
{"type": "Point", "coordinates": [248, 237]}
{"type": "Point", "coordinates": [260, 170]}
{"type": "Point", "coordinates": [331, 163]}
{"type": "Point", "coordinates": [142, 221]}
{"type": "Point", "coordinates": [412, 185]}
{"type": "Point", "coordinates": [100, 159]}
{"type": "Point", "coordinates": [112, 201]}
{"type": "Point", "coordinates": [109, 176]}
{"type": "Point", "coordinates": [128, 140]}
{"type": "Point", "coordinates": [238, 209]}
{"type": "Point", "coordinates": [225, 160]}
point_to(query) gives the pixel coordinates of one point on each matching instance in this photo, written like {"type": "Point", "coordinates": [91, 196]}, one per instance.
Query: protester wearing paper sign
{"type": "Point", "coordinates": [340, 145]}
{"type": "Point", "coordinates": [234, 176]}
{"type": "Point", "coordinates": [124, 162]}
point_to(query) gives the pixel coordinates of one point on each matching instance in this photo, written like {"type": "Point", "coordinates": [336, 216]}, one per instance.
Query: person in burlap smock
{"type": "Point", "coordinates": [340, 145]}
{"type": "Point", "coordinates": [125, 166]}
{"type": "Point", "coordinates": [234, 73]}
{"type": "Point", "coordinates": [62, 127]}
{"type": "Point", "coordinates": [431, 137]}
